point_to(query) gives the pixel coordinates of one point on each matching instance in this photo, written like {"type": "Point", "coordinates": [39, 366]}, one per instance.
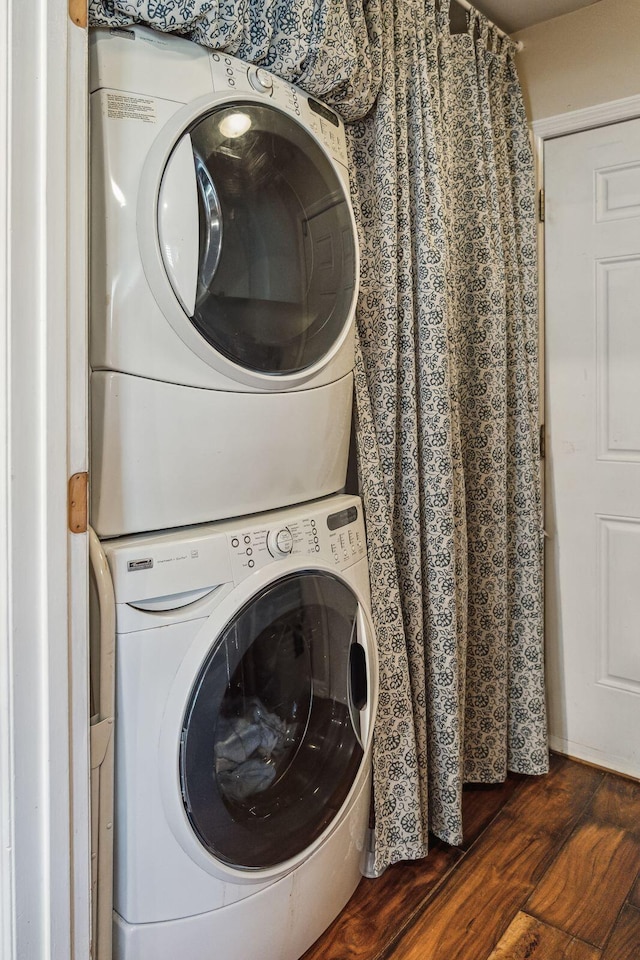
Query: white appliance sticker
{"type": "Point", "coordinates": [122, 106]}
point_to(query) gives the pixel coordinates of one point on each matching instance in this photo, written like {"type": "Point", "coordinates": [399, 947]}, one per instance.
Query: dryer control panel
{"type": "Point", "coordinates": [232, 74]}
{"type": "Point", "coordinates": [235, 76]}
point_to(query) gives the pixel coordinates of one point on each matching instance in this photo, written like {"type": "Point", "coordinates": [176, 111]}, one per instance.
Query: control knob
{"type": "Point", "coordinates": [280, 542]}
{"type": "Point", "coordinates": [260, 80]}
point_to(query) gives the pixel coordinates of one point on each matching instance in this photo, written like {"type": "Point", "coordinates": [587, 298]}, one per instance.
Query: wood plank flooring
{"type": "Point", "coordinates": [597, 857]}
{"type": "Point", "coordinates": [549, 870]}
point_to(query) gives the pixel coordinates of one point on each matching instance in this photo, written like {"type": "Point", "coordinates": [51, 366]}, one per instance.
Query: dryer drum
{"type": "Point", "coordinates": [270, 745]}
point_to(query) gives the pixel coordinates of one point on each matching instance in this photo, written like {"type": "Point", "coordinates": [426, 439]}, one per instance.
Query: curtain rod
{"type": "Point", "coordinates": [519, 45]}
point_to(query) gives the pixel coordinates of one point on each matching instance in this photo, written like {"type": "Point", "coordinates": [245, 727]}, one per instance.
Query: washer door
{"type": "Point", "coordinates": [271, 739]}
{"type": "Point", "coordinates": [276, 262]}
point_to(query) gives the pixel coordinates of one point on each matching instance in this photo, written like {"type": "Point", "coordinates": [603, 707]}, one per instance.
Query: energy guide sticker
{"type": "Point", "coordinates": [122, 106]}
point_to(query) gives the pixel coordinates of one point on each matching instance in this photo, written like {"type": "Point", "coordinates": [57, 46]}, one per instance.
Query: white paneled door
{"type": "Point", "coordinates": [592, 256]}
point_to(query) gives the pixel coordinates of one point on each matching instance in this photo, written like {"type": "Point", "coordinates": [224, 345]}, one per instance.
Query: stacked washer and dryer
{"type": "Point", "coordinates": [223, 288]}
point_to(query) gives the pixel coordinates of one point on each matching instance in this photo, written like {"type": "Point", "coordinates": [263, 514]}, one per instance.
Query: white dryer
{"type": "Point", "coordinates": [246, 697]}
{"type": "Point", "coordinates": [224, 276]}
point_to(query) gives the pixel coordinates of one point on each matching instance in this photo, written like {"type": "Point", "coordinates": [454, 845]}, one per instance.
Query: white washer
{"type": "Point", "coordinates": [246, 697]}
{"type": "Point", "coordinates": [224, 276]}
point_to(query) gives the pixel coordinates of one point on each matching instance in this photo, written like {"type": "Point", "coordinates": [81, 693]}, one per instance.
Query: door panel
{"type": "Point", "coordinates": [276, 272]}
{"type": "Point", "coordinates": [592, 251]}
{"type": "Point", "coordinates": [618, 349]}
{"type": "Point", "coordinates": [271, 742]}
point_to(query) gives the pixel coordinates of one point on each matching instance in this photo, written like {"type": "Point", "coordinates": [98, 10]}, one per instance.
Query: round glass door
{"type": "Point", "coordinates": [276, 271]}
{"type": "Point", "coordinates": [270, 744]}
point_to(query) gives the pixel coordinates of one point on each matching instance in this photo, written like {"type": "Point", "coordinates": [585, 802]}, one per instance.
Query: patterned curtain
{"type": "Point", "coordinates": [446, 377]}
{"type": "Point", "coordinates": [448, 422]}
{"type": "Point", "coordinates": [324, 46]}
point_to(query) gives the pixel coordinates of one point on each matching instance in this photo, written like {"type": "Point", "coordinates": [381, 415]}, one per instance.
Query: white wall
{"type": "Point", "coordinates": [584, 58]}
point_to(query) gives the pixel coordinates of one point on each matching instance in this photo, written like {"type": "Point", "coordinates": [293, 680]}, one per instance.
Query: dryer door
{"type": "Point", "coordinates": [276, 273]}
{"type": "Point", "coordinates": [271, 742]}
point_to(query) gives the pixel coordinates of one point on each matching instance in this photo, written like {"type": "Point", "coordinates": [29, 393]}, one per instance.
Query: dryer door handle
{"type": "Point", "coordinates": [178, 223]}
{"type": "Point", "coordinates": [212, 233]}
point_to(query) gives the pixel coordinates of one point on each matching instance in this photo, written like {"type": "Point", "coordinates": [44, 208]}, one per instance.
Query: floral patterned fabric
{"type": "Point", "coordinates": [322, 45]}
{"type": "Point", "coordinates": [446, 377]}
{"type": "Point", "coordinates": [443, 175]}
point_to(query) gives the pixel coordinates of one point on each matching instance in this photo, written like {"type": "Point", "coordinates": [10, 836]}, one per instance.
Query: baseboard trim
{"type": "Point", "coordinates": [594, 758]}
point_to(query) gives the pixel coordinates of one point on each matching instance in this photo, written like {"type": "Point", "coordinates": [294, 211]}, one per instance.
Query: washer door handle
{"type": "Point", "coordinates": [358, 686]}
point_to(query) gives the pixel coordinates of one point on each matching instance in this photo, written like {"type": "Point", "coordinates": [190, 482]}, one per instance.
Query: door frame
{"type": "Point", "coordinates": [549, 128]}
{"type": "Point", "coordinates": [44, 757]}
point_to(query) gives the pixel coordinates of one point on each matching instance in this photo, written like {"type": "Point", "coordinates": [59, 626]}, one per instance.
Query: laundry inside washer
{"type": "Point", "coordinates": [249, 742]}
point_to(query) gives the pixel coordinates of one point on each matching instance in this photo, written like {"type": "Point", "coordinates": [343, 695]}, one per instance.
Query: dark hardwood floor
{"type": "Point", "coordinates": [549, 870]}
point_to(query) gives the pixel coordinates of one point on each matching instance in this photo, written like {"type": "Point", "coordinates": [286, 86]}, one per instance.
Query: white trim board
{"type": "Point", "coordinates": [7, 865]}
{"type": "Point", "coordinates": [77, 229]}
{"type": "Point", "coordinates": [578, 751]}
{"type": "Point", "coordinates": [586, 119]}
{"type": "Point", "coordinates": [44, 767]}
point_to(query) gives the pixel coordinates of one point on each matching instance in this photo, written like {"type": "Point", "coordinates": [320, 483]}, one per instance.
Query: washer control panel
{"type": "Point", "coordinates": [177, 563]}
{"type": "Point", "coordinates": [346, 547]}
{"type": "Point", "coordinates": [280, 542]}
{"type": "Point", "coordinates": [336, 538]}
